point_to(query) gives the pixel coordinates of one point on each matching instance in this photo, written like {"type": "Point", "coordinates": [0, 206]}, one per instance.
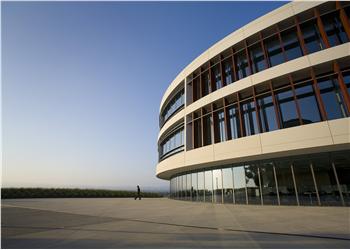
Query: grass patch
{"type": "Point", "coordinates": [18, 193]}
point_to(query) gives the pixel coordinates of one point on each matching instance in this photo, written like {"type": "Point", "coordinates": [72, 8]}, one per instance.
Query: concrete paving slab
{"type": "Point", "coordinates": [164, 223]}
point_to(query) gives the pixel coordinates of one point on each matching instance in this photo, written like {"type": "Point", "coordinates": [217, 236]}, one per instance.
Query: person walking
{"type": "Point", "coordinates": [138, 193]}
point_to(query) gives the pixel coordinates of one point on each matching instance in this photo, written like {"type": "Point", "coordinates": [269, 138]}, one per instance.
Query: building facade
{"type": "Point", "coordinates": [262, 116]}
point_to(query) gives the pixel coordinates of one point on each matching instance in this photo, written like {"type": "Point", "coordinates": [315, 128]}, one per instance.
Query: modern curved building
{"type": "Point", "coordinates": [262, 116]}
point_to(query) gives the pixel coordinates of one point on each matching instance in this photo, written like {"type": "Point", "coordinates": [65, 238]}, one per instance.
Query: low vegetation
{"type": "Point", "coordinates": [16, 193]}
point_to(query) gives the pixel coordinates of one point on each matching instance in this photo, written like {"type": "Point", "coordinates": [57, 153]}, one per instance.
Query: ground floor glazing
{"type": "Point", "coordinates": [312, 180]}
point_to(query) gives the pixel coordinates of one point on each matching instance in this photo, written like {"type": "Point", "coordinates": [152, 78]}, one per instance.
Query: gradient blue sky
{"type": "Point", "coordinates": [82, 83]}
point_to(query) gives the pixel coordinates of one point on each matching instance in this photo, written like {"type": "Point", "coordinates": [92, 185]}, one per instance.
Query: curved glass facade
{"type": "Point", "coordinates": [296, 99]}
{"type": "Point", "coordinates": [300, 35]}
{"type": "Point", "coordinates": [315, 180]}
{"type": "Point", "coordinates": [172, 107]}
{"type": "Point", "coordinates": [172, 144]}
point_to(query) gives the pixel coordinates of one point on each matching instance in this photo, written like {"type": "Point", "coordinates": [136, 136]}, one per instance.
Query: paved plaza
{"type": "Point", "coordinates": [164, 223]}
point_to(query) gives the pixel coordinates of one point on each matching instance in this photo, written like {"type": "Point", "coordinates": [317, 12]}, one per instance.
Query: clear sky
{"type": "Point", "coordinates": [82, 83]}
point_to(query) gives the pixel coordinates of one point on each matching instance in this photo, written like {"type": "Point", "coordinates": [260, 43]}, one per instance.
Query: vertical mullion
{"type": "Point", "coordinates": [212, 121]}
{"type": "Point", "coordinates": [318, 96]}
{"type": "Point", "coordinates": [222, 187]}
{"type": "Point", "coordinates": [281, 43]}
{"type": "Point", "coordinates": [240, 117]}
{"type": "Point", "coordinates": [321, 28]}
{"type": "Point", "coordinates": [245, 186]}
{"type": "Point", "coordinates": [342, 85]}
{"type": "Point", "coordinates": [343, 18]}
{"type": "Point", "coordinates": [264, 50]}
{"type": "Point", "coordinates": [248, 57]}
{"type": "Point", "coordinates": [276, 182]}
{"type": "Point", "coordinates": [295, 184]}
{"type": "Point", "coordinates": [261, 196]}
{"type": "Point", "coordinates": [338, 184]}
{"type": "Point", "coordinates": [233, 187]}
{"type": "Point", "coordinates": [300, 36]}
{"type": "Point", "coordinates": [277, 113]}
{"type": "Point", "coordinates": [202, 129]}
{"type": "Point", "coordinates": [225, 120]}
{"type": "Point", "coordinates": [315, 184]}
{"type": "Point", "coordinates": [295, 99]}
{"type": "Point", "coordinates": [221, 73]}
{"type": "Point", "coordinates": [233, 65]}
{"type": "Point", "coordinates": [257, 112]}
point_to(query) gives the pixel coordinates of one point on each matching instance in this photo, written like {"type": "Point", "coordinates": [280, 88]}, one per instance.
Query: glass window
{"type": "Point", "coordinates": [242, 65]}
{"type": "Point", "coordinates": [252, 184]}
{"type": "Point", "coordinates": [346, 78]}
{"type": "Point", "coordinates": [217, 77]}
{"type": "Point", "coordinates": [208, 186]}
{"type": "Point", "coordinates": [179, 183]}
{"type": "Point", "coordinates": [257, 58]}
{"type": "Point", "coordinates": [206, 89]}
{"type": "Point", "coordinates": [267, 113]}
{"type": "Point", "coordinates": [233, 123]}
{"type": "Point", "coordinates": [304, 182]}
{"type": "Point", "coordinates": [274, 51]}
{"type": "Point", "coordinates": [326, 182]}
{"type": "Point", "coordinates": [217, 185]}
{"type": "Point", "coordinates": [342, 164]}
{"type": "Point", "coordinates": [249, 118]}
{"type": "Point", "coordinates": [188, 186]}
{"type": "Point", "coordinates": [194, 187]}
{"type": "Point", "coordinates": [291, 44]}
{"type": "Point", "coordinates": [334, 29]}
{"type": "Point", "coordinates": [309, 110]}
{"type": "Point", "coordinates": [207, 121]}
{"type": "Point", "coordinates": [196, 89]}
{"type": "Point", "coordinates": [312, 37]}
{"type": "Point", "coordinates": [268, 184]}
{"type": "Point", "coordinates": [239, 185]}
{"type": "Point", "coordinates": [332, 97]}
{"type": "Point", "coordinates": [227, 64]}
{"type": "Point", "coordinates": [172, 144]}
{"type": "Point", "coordinates": [227, 179]}
{"type": "Point", "coordinates": [201, 186]}
{"type": "Point", "coordinates": [197, 133]}
{"type": "Point", "coordinates": [184, 187]}
{"type": "Point", "coordinates": [285, 183]}
{"type": "Point", "coordinates": [288, 109]}
{"type": "Point", "coordinates": [173, 105]}
{"type": "Point", "coordinates": [220, 133]}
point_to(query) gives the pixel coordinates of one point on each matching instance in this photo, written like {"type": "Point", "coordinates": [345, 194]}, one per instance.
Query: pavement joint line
{"type": "Point", "coordinates": [189, 226]}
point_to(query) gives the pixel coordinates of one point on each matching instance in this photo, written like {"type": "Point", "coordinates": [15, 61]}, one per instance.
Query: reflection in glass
{"type": "Point", "coordinates": [326, 182]}
{"type": "Point", "coordinates": [274, 51]}
{"type": "Point", "coordinates": [252, 183]}
{"type": "Point", "coordinates": [227, 180]}
{"type": "Point", "coordinates": [334, 29]}
{"type": "Point", "coordinates": [291, 44]}
{"type": "Point", "coordinates": [249, 118]}
{"type": "Point", "coordinates": [197, 133]}
{"type": "Point", "coordinates": [189, 186]}
{"type": "Point", "coordinates": [239, 185]}
{"type": "Point", "coordinates": [242, 65]}
{"type": "Point", "coordinates": [180, 187]}
{"type": "Point", "coordinates": [233, 122]}
{"type": "Point", "coordinates": [285, 183]}
{"type": "Point", "coordinates": [288, 110]}
{"type": "Point", "coordinates": [208, 186]}
{"type": "Point", "coordinates": [228, 71]}
{"type": "Point", "coordinates": [309, 110]}
{"type": "Point", "coordinates": [207, 137]}
{"type": "Point", "coordinates": [268, 184]}
{"type": "Point", "coordinates": [257, 58]}
{"type": "Point", "coordinates": [206, 89]}
{"type": "Point", "coordinates": [305, 184]}
{"type": "Point", "coordinates": [194, 187]}
{"type": "Point", "coordinates": [312, 37]}
{"type": "Point", "coordinates": [332, 97]}
{"type": "Point", "coordinates": [184, 187]}
{"type": "Point", "coordinates": [217, 77]}
{"type": "Point", "coordinates": [346, 78]}
{"type": "Point", "coordinates": [217, 185]}
{"type": "Point", "coordinates": [219, 126]}
{"type": "Point", "coordinates": [200, 186]}
{"type": "Point", "coordinates": [267, 113]}
{"type": "Point", "coordinates": [342, 164]}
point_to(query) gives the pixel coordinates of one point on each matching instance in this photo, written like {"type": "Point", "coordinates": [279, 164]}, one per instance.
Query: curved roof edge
{"type": "Point", "coordinates": [275, 16]}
